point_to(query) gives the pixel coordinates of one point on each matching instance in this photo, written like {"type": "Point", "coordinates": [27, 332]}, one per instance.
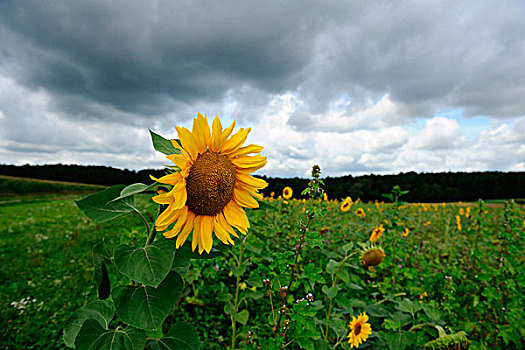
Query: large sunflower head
{"type": "Point", "coordinates": [212, 185]}
{"type": "Point", "coordinates": [360, 329]}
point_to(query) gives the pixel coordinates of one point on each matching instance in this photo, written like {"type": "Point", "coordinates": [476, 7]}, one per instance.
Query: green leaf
{"type": "Point", "coordinates": [313, 273]}
{"type": "Point", "coordinates": [100, 271]}
{"type": "Point", "coordinates": [101, 311]}
{"type": "Point", "coordinates": [255, 280]}
{"type": "Point", "coordinates": [148, 265]}
{"type": "Point", "coordinates": [93, 336]}
{"type": "Point", "coordinates": [388, 195]}
{"type": "Point", "coordinates": [180, 264]}
{"type": "Point", "coordinates": [134, 189]}
{"type": "Point", "coordinates": [343, 276]}
{"type": "Point", "coordinates": [242, 316]}
{"type": "Point", "coordinates": [376, 311]}
{"type": "Point", "coordinates": [432, 312]}
{"type": "Point", "coordinates": [99, 207]}
{"type": "Point", "coordinates": [182, 336]}
{"type": "Point", "coordinates": [224, 297]}
{"type": "Point", "coordinates": [406, 305]}
{"type": "Point", "coordinates": [330, 292]}
{"type": "Point", "coordinates": [396, 341]}
{"type": "Point", "coordinates": [162, 145]}
{"type": "Point", "coordinates": [146, 307]}
{"type": "Point", "coordinates": [332, 267]}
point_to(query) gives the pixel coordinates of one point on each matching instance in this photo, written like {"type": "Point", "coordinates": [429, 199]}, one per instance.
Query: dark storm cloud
{"type": "Point", "coordinates": [137, 58]}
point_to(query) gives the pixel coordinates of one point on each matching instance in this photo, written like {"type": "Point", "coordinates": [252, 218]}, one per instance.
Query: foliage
{"type": "Point", "coordinates": [295, 280]}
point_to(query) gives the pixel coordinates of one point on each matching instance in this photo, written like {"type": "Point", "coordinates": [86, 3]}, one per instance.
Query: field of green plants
{"type": "Point", "coordinates": [295, 281]}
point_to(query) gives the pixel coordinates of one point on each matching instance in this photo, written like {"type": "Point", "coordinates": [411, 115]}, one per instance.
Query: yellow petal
{"type": "Point", "coordinates": [179, 198]}
{"type": "Point", "coordinates": [181, 220]}
{"type": "Point", "coordinates": [176, 144]}
{"type": "Point", "coordinates": [201, 133]}
{"type": "Point", "coordinates": [248, 161]}
{"type": "Point", "coordinates": [188, 226]}
{"type": "Point", "coordinates": [224, 223]}
{"type": "Point", "coordinates": [246, 150]}
{"type": "Point", "coordinates": [236, 141]}
{"type": "Point", "coordinates": [206, 232]}
{"type": "Point", "coordinates": [236, 217]}
{"type": "Point", "coordinates": [224, 136]}
{"type": "Point", "coordinates": [196, 232]}
{"type": "Point", "coordinates": [170, 179]}
{"type": "Point", "coordinates": [188, 142]}
{"type": "Point", "coordinates": [252, 181]}
{"type": "Point", "coordinates": [163, 198]}
{"type": "Point", "coordinates": [167, 216]}
{"type": "Point", "coordinates": [180, 160]}
{"type": "Point", "coordinates": [216, 136]}
{"type": "Point", "coordinates": [250, 169]}
{"type": "Point", "coordinates": [244, 199]}
{"type": "Point", "coordinates": [221, 232]}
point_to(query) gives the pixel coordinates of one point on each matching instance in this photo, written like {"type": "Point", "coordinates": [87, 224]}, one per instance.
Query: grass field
{"type": "Point", "coordinates": [18, 186]}
{"type": "Point", "coordinates": [472, 278]}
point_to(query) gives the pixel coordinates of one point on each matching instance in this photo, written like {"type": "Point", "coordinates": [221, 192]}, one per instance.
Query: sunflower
{"type": "Point", "coordinates": [347, 204]}
{"type": "Point", "coordinates": [360, 212]}
{"type": "Point", "coordinates": [212, 186]}
{"type": "Point", "coordinates": [287, 193]}
{"type": "Point", "coordinates": [376, 233]}
{"type": "Point", "coordinates": [359, 330]}
{"type": "Point", "coordinates": [372, 255]}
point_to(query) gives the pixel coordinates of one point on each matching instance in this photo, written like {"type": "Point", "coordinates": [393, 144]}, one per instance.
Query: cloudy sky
{"type": "Point", "coordinates": [357, 87]}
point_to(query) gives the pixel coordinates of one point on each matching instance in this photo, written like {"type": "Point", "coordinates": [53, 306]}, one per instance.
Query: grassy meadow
{"type": "Point", "coordinates": [458, 265]}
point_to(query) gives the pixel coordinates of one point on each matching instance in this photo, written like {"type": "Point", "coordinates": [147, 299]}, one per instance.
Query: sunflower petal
{"type": "Point", "coordinates": [181, 220]}
{"type": "Point", "coordinates": [224, 136]}
{"type": "Point", "coordinates": [201, 133]}
{"type": "Point", "coordinates": [221, 232]}
{"type": "Point", "coordinates": [249, 161]}
{"type": "Point", "coordinates": [163, 198]}
{"type": "Point", "coordinates": [244, 199]}
{"type": "Point", "coordinates": [224, 223]}
{"type": "Point", "coordinates": [196, 232]}
{"type": "Point", "coordinates": [246, 150]}
{"type": "Point", "coordinates": [206, 232]}
{"type": "Point", "coordinates": [188, 226]}
{"type": "Point", "coordinates": [188, 142]}
{"type": "Point", "coordinates": [252, 181]}
{"type": "Point", "coordinates": [216, 134]}
{"type": "Point", "coordinates": [168, 216]}
{"type": "Point", "coordinates": [236, 217]}
{"type": "Point", "coordinates": [236, 141]}
{"type": "Point", "coordinates": [180, 160]}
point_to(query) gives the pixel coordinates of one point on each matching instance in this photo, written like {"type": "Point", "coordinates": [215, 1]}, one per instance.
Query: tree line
{"type": "Point", "coordinates": [423, 187]}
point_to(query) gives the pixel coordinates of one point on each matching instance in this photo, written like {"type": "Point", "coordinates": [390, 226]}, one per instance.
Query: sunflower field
{"type": "Point", "coordinates": [201, 259]}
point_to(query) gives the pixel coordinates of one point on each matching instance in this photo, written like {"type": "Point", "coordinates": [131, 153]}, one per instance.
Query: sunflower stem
{"type": "Point", "coordinates": [149, 239]}
{"type": "Point", "coordinates": [236, 300]}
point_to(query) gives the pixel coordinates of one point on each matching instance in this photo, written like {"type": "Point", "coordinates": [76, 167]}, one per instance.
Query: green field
{"type": "Point", "coordinates": [470, 280]}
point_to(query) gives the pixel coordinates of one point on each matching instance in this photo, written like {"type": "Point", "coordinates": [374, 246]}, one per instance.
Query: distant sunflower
{"type": "Point", "coordinates": [360, 329]}
{"type": "Point", "coordinates": [376, 233]}
{"type": "Point", "coordinates": [287, 193]}
{"type": "Point", "coordinates": [347, 204]}
{"type": "Point", "coordinates": [212, 186]}
{"type": "Point", "coordinates": [360, 212]}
